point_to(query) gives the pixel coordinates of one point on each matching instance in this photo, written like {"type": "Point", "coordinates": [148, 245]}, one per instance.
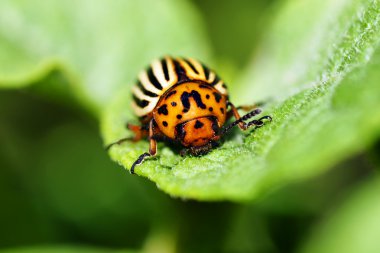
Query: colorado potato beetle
{"type": "Point", "coordinates": [182, 100]}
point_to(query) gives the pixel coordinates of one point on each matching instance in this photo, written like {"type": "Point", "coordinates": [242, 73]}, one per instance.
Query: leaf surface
{"type": "Point", "coordinates": [98, 50]}
{"type": "Point", "coordinates": [322, 75]}
{"type": "Point", "coordinates": [61, 249]}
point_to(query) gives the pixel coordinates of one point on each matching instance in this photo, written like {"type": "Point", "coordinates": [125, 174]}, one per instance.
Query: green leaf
{"type": "Point", "coordinates": [320, 63]}
{"type": "Point", "coordinates": [98, 50]}
{"type": "Point", "coordinates": [61, 249]}
{"type": "Point", "coordinates": [353, 227]}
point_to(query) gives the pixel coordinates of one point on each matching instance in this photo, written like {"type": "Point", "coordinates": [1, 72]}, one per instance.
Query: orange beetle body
{"type": "Point", "coordinates": [191, 113]}
{"type": "Point", "coordinates": [181, 100]}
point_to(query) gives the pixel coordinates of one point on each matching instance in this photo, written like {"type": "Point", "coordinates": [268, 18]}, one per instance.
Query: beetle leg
{"type": "Point", "coordinates": [245, 108]}
{"type": "Point", "coordinates": [152, 148]}
{"type": "Point", "coordinates": [139, 131]}
{"type": "Point", "coordinates": [259, 122]}
{"type": "Point", "coordinates": [248, 108]}
{"type": "Point", "coordinates": [240, 119]}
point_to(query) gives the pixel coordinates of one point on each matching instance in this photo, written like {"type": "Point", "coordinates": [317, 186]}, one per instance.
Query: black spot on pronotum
{"type": "Point", "coordinates": [170, 94]}
{"type": "Point", "coordinates": [179, 116]}
{"type": "Point", "coordinates": [185, 110]}
{"type": "Point", "coordinates": [207, 96]}
{"type": "Point", "coordinates": [195, 95]}
{"type": "Point", "coordinates": [140, 103]}
{"type": "Point", "coordinates": [185, 100]}
{"type": "Point", "coordinates": [165, 69]}
{"type": "Point", "coordinates": [217, 96]}
{"type": "Point", "coordinates": [173, 104]}
{"type": "Point", "coordinates": [153, 79]}
{"type": "Point", "coordinates": [163, 110]}
{"type": "Point", "coordinates": [165, 123]}
{"type": "Point", "coordinates": [210, 109]}
{"type": "Point", "coordinates": [222, 110]}
{"type": "Point", "coordinates": [198, 124]}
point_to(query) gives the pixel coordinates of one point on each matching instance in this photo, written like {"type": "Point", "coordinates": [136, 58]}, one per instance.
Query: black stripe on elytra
{"type": "Point", "coordinates": [194, 94]}
{"type": "Point", "coordinates": [153, 79]}
{"type": "Point", "coordinates": [204, 86]}
{"type": "Point", "coordinates": [217, 96]}
{"type": "Point", "coordinates": [207, 71]}
{"type": "Point", "coordinates": [146, 92]}
{"type": "Point", "coordinates": [191, 65]}
{"type": "Point", "coordinates": [170, 94]}
{"type": "Point", "coordinates": [141, 103]}
{"type": "Point", "coordinates": [165, 69]}
{"type": "Point", "coordinates": [198, 124]}
{"type": "Point", "coordinates": [181, 74]}
{"type": "Point", "coordinates": [216, 80]}
{"type": "Point", "coordinates": [163, 110]}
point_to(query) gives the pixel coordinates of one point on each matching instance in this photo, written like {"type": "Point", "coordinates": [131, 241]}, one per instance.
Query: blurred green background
{"type": "Point", "coordinates": [60, 192]}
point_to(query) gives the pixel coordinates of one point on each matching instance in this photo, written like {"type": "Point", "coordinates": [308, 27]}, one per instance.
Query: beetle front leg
{"type": "Point", "coordinates": [245, 108]}
{"type": "Point", "coordinates": [152, 148]}
{"type": "Point", "coordinates": [240, 119]}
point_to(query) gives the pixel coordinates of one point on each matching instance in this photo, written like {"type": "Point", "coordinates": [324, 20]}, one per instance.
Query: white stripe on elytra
{"type": "Point", "coordinates": [219, 87]}
{"type": "Point", "coordinates": [143, 111]}
{"type": "Point", "coordinates": [198, 67]}
{"type": "Point", "coordinates": [143, 77]}
{"type": "Point", "coordinates": [140, 95]}
{"type": "Point", "coordinates": [158, 71]}
{"type": "Point", "coordinates": [211, 77]}
{"type": "Point", "coordinates": [173, 78]}
{"type": "Point", "coordinates": [189, 71]}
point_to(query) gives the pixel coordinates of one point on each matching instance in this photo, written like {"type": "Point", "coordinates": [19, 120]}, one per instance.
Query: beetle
{"type": "Point", "coordinates": [182, 100]}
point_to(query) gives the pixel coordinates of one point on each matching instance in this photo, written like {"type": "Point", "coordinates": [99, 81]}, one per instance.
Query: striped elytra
{"type": "Point", "coordinates": [162, 74]}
